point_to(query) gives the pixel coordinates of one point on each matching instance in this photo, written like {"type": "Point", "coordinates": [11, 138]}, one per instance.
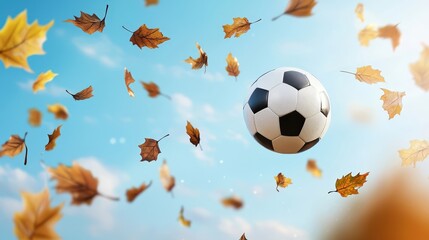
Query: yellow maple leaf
{"type": "Point", "coordinates": [349, 185]}
{"type": "Point", "coordinates": [392, 102]}
{"type": "Point", "coordinates": [282, 181]}
{"type": "Point", "coordinates": [367, 34]}
{"type": "Point", "coordinates": [19, 40]}
{"type": "Point", "coordinates": [359, 10]}
{"type": "Point", "coordinates": [367, 74]}
{"type": "Point", "coordinates": [418, 151]}
{"type": "Point", "coordinates": [420, 69]}
{"type": "Point", "coordinates": [42, 79]}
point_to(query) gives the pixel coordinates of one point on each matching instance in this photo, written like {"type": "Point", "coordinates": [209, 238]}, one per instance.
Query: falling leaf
{"type": "Point", "coordinates": [193, 133]}
{"type": "Point", "coordinates": [349, 185]}
{"type": "Point", "coordinates": [134, 192]}
{"type": "Point", "coordinates": [418, 151]}
{"type": "Point", "coordinates": [282, 181]}
{"type": "Point", "coordinates": [299, 8]}
{"type": "Point", "coordinates": [185, 222]}
{"type": "Point", "coordinates": [313, 168]}
{"type": "Point", "coordinates": [238, 27]}
{"type": "Point", "coordinates": [20, 40]}
{"type": "Point", "coordinates": [77, 181]}
{"type": "Point", "coordinates": [420, 69]}
{"type": "Point", "coordinates": [392, 32]}
{"type": "Point", "coordinates": [243, 237]}
{"type": "Point", "coordinates": [14, 146]}
{"type": "Point", "coordinates": [233, 201]}
{"type": "Point", "coordinates": [392, 102]}
{"type": "Point", "coordinates": [359, 10]}
{"type": "Point", "coordinates": [168, 181]}
{"type": "Point", "coordinates": [59, 111]}
{"type": "Point", "coordinates": [201, 61]}
{"type": "Point", "coordinates": [128, 80]}
{"type": "Point", "coordinates": [34, 117]}
{"type": "Point", "coordinates": [153, 90]}
{"type": "Point", "coordinates": [42, 79]}
{"type": "Point", "coordinates": [367, 74]}
{"type": "Point", "coordinates": [367, 34]}
{"type": "Point", "coordinates": [89, 23]}
{"type": "Point", "coordinates": [151, 2]}
{"type": "Point", "coordinates": [52, 138]}
{"type": "Point", "coordinates": [232, 66]}
{"type": "Point", "coordinates": [37, 219]}
{"type": "Point", "coordinates": [82, 95]}
{"type": "Point", "coordinates": [150, 149]}
{"type": "Point", "coordinates": [147, 37]}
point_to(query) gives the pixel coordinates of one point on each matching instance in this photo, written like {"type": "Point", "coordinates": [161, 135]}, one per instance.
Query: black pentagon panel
{"type": "Point", "coordinates": [309, 145]}
{"type": "Point", "coordinates": [325, 107]}
{"type": "Point", "coordinates": [291, 124]}
{"type": "Point", "coordinates": [264, 141]}
{"type": "Point", "coordinates": [258, 100]}
{"type": "Point", "coordinates": [296, 79]}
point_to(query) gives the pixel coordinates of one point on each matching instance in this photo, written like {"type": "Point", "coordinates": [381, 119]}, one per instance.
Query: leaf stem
{"type": "Point", "coordinates": [164, 137]}
{"type": "Point", "coordinates": [108, 197]}
{"type": "Point", "coordinates": [127, 29]}
{"type": "Point", "coordinates": [348, 72]}
{"type": "Point", "coordinates": [69, 92]}
{"type": "Point", "coordinates": [25, 135]}
{"type": "Point", "coordinates": [105, 13]}
{"type": "Point", "coordinates": [257, 21]}
{"type": "Point", "coordinates": [26, 153]}
{"type": "Point", "coordinates": [201, 148]}
{"type": "Point", "coordinates": [165, 95]}
{"type": "Point", "coordinates": [275, 18]}
{"type": "Point", "coordinates": [332, 191]}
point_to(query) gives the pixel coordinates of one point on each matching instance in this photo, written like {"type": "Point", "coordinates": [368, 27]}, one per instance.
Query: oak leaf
{"type": "Point", "coordinates": [313, 168]}
{"type": "Point", "coordinates": [168, 181]}
{"type": "Point", "coordinates": [359, 10]}
{"type": "Point", "coordinates": [243, 237]}
{"type": "Point", "coordinates": [134, 192]}
{"type": "Point", "coordinates": [367, 74]}
{"type": "Point", "coordinates": [299, 8]}
{"type": "Point", "coordinates": [42, 79]}
{"type": "Point", "coordinates": [418, 151]}
{"type": "Point", "coordinates": [147, 37]}
{"type": "Point", "coordinates": [349, 185]}
{"type": "Point", "coordinates": [282, 181]}
{"type": "Point", "coordinates": [19, 40]}
{"type": "Point", "coordinates": [367, 34]}
{"type": "Point", "coordinates": [185, 222]}
{"type": "Point", "coordinates": [150, 149]}
{"type": "Point", "coordinates": [392, 102]}
{"type": "Point", "coordinates": [199, 62]}
{"type": "Point", "coordinates": [82, 95]}
{"type": "Point", "coordinates": [89, 23]}
{"type": "Point", "coordinates": [59, 111]}
{"type": "Point", "coordinates": [233, 201]}
{"type": "Point", "coordinates": [238, 27]}
{"type": "Point", "coordinates": [193, 133]}
{"type": "Point", "coordinates": [420, 69]}
{"type": "Point", "coordinates": [37, 219]}
{"type": "Point", "coordinates": [34, 117]}
{"type": "Point", "coordinates": [391, 32]}
{"type": "Point", "coordinates": [128, 80]}
{"type": "Point", "coordinates": [14, 146]}
{"type": "Point", "coordinates": [52, 138]}
{"type": "Point", "coordinates": [153, 90]}
{"type": "Point", "coordinates": [151, 2]}
{"type": "Point", "coordinates": [232, 66]}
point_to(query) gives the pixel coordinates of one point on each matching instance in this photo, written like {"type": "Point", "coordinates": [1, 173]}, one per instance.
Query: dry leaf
{"type": "Point", "coordinates": [313, 168]}
{"type": "Point", "coordinates": [134, 192]}
{"type": "Point", "coordinates": [128, 80]}
{"type": "Point", "coordinates": [37, 219]}
{"type": "Point", "coordinates": [359, 10]}
{"type": "Point", "coordinates": [243, 237]}
{"type": "Point", "coordinates": [234, 202]}
{"type": "Point", "coordinates": [420, 69]}
{"type": "Point", "coordinates": [185, 222]}
{"type": "Point", "coordinates": [201, 61]}
{"type": "Point", "coordinates": [168, 181]}
{"type": "Point", "coordinates": [392, 32]}
{"type": "Point", "coordinates": [151, 2]}
{"type": "Point", "coordinates": [77, 181]}
{"type": "Point", "coordinates": [42, 79]}
{"type": "Point", "coordinates": [232, 66]}
{"type": "Point", "coordinates": [367, 74]}
{"type": "Point", "coordinates": [392, 102]}
{"type": "Point", "coordinates": [147, 37]}
{"type": "Point", "coordinates": [282, 181]}
{"type": "Point", "coordinates": [34, 117]}
{"type": "Point", "coordinates": [349, 185]}
{"type": "Point", "coordinates": [82, 95]}
{"type": "Point", "coordinates": [150, 149]}
{"type": "Point", "coordinates": [59, 111]}
{"type": "Point", "coordinates": [89, 23]}
{"type": "Point", "coordinates": [153, 90]}
{"type": "Point", "coordinates": [418, 151]}
{"type": "Point", "coordinates": [20, 40]}
{"type": "Point", "coordinates": [14, 146]}
{"type": "Point", "coordinates": [193, 133]}
{"type": "Point", "coordinates": [52, 138]}
{"type": "Point", "coordinates": [299, 8]}
{"type": "Point", "coordinates": [238, 27]}
{"type": "Point", "coordinates": [367, 34]}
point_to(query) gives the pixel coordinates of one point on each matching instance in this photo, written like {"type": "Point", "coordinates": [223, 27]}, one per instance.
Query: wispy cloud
{"type": "Point", "coordinates": [51, 89]}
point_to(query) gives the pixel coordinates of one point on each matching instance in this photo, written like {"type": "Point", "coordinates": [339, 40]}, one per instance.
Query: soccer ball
{"type": "Point", "coordinates": [287, 110]}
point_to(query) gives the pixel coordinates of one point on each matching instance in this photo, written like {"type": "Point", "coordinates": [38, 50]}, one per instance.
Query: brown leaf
{"type": "Point", "coordinates": [77, 181]}
{"type": "Point", "coordinates": [392, 32]}
{"type": "Point", "coordinates": [313, 168]}
{"type": "Point", "coordinates": [359, 10]}
{"type": "Point", "coordinates": [14, 146]}
{"type": "Point", "coordinates": [34, 117]}
{"type": "Point", "coordinates": [52, 138]}
{"type": "Point", "coordinates": [185, 222]}
{"type": "Point", "coordinates": [150, 149]}
{"type": "Point", "coordinates": [151, 2]}
{"type": "Point", "coordinates": [418, 151]}
{"type": "Point", "coordinates": [282, 181]}
{"type": "Point", "coordinates": [232, 66]}
{"type": "Point", "coordinates": [59, 111]}
{"type": "Point", "coordinates": [42, 79]}
{"type": "Point", "coordinates": [201, 61]}
{"type": "Point", "coordinates": [238, 27]}
{"type": "Point", "coordinates": [349, 185]}
{"type": "Point", "coordinates": [82, 95]}
{"type": "Point", "coordinates": [367, 74]}
{"type": "Point", "coordinates": [420, 69]}
{"type": "Point", "coordinates": [367, 34]}
{"type": "Point", "coordinates": [37, 219]}
{"type": "Point", "coordinates": [128, 80]}
{"type": "Point", "coordinates": [168, 181]}
{"type": "Point", "coordinates": [89, 23]}
{"type": "Point", "coordinates": [134, 192]}
{"type": "Point", "coordinates": [233, 201]}
{"type": "Point", "coordinates": [147, 37]}
{"type": "Point", "coordinates": [193, 133]}
{"type": "Point", "coordinates": [299, 8]}
{"type": "Point", "coordinates": [243, 237]}
{"type": "Point", "coordinates": [153, 90]}
{"type": "Point", "coordinates": [392, 102]}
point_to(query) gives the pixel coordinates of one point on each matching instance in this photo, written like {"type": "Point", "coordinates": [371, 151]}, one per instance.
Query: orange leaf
{"type": "Point", "coordinates": [418, 151]}
{"type": "Point", "coordinates": [234, 202]}
{"type": "Point", "coordinates": [194, 134]}
{"type": "Point", "coordinates": [392, 102]}
{"type": "Point", "coordinates": [367, 74]}
{"type": "Point", "coordinates": [134, 192]}
{"type": "Point", "coordinates": [52, 139]}
{"type": "Point", "coordinates": [59, 111]}
{"type": "Point", "coordinates": [392, 32]}
{"type": "Point", "coordinates": [128, 80]}
{"type": "Point", "coordinates": [282, 181]}
{"type": "Point", "coordinates": [299, 8]}
{"type": "Point", "coordinates": [14, 146]}
{"type": "Point", "coordinates": [201, 61]}
{"type": "Point", "coordinates": [89, 23]}
{"type": "Point", "coordinates": [151, 2]}
{"type": "Point", "coordinates": [34, 117]}
{"type": "Point", "coordinates": [232, 66]}
{"type": "Point", "coordinates": [168, 181]}
{"type": "Point", "coordinates": [238, 27]}
{"type": "Point", "coordinates": [313, 168]}
{"type": "Point", "coordinates": [349, 185]}
{"type": "Point", "coordinates": [150, 149]}
{"type": "Point", "coordinates": [82, 95]}
{"type": "Point", "coordinates": [42, 79]}
{"type": "Point", "coordinates": [185, 222]}
{"type": "Point", "coordinates": [147, 37]}
{"type": "Point", "coordinates": [420, 69]}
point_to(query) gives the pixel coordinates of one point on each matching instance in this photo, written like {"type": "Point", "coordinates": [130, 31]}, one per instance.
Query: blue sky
{"type": "Point", "coordinates": [102, 133]}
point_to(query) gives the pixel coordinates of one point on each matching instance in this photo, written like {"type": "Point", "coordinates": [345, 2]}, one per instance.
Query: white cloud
{"type": "Point", "coordinates": [15, 180]}
{"type": "Point", "coordinates": [213, 77]}
{"type": "Point", "coordinates": [183, 105]}
{"type": "Point", "coordinates": [102, 49]}
{"type": "Point", "coordinates": [8, 206]}
{"type": "Point", "coordinates": [236, 136]}
{"type": "Point", "coordinates": [175, 71]}
{"type": "Point", "coordinates": [234, 227]}
{"type": "Point", "coordinates": [50, 89]}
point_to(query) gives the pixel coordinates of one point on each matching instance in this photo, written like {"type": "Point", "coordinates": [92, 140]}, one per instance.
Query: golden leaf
{"type": "Point", "coordinates": [128, 80]}
{"type": "Point", "coordinates": [313, 168]}
{"type": "Point", "coordinates": [150, 149]}
{"type": "Point", "coordinates": [37, 219]}
{"type": "Point", "coordinates": [349, 185]}
{"type": "Point", "coordinates": [52, 138]}
{"type": "Point", "coordinates": [147, 37]}
{"type": "Point", "coordinates": [89, 23]}
{"type": "Point", "coordinates": [367, 34]}
{"type": "Point", "coordinates": [193, 133]}
{"type": "Point", "coordinates": [392, 102]}
{"type": "Point", "coordinates": [282, 181]}
{"type": "Point", "coordinates": [392, 32]}
{"type": "Point", "coordinates": [14, 146]}
{"type": "Point", "coordinates": [82, 95]}
{"type": "Point", "coordinates": [134, 192]}
{"type": "Point", "coordinates": [238, 27]}
{"type": "Point", "coordinates": [233, 201]}
{"type": "Point", "coordinates": [168, 181]}
{"type": "Point", "coordinates": [299, 8]}
{"type": "Point", "coordinates": [42, 79]}
{"type": "Point", "coordinates": [359, 10]}
{"type": "Point", "coordinates": [243, 237]}
{"type": "Point", "coordinates": [232, 66]}
{"type": "Point", "coordinates": [59, 111]}
{"type": "Point", "coordinates": [418, 151]}
{"type": "Point", "coordinates": [185, 222]}
{"type": "Point", "coordinates": [34, 117]}
{"type": "Point", "coordinates": [420, 69]}
{"type": "Point", "coordinates": [20, 40]}
{"type": "Point", "coordinates": [201, 61]}
{"type": "Point", "coordinates": [151, 2]}
{"type": "Point", "coordinates": [367, 74]}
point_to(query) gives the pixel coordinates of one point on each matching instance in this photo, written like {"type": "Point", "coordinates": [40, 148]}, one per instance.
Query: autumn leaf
{"type": "Point", "coordinates": [151, 2]}
{"type": "Point", "coordinates": [128, 80]}
{"type": "Point", "coordinates": [20, 40]}
{"type": "Point", "coordinates": [238, 27]}
{"type": "Point", "coordinates": [367, 74]}
{"type": "Point", "coordinates": [82, 95]}
{"type": "Point", "coordinates": [168, 181]}
{"type": "Point", "coordinates": [37, 219]}
{"type": "Point", "coordinates": [52, 138]}
{"type": "Point", "coordinates": [147, 37]}
{"type": "Point", "coordinates": [201, 61]}
{"type": "Point", "coordinates": [282, 181]}
{"type": "Point", "coordinates": [299, 8]}
{"type": "Point", "coordinates": [232, 66]}
{"type": "Point", "coordinates": [34, 117]}
{"type": "Point", "coordinates": [392, 102]}
{"type": "Point", "coordinates": [42, 79]}
{"type": "Point", "coordinates": [59, 111]}
{"type": "Point", "coordinates": [418, 151]}
{"type": "Point", "coordinates": [134, 192]}
{"type": "Point", "coordinates": [14, 146]}
{"type": "Point", "coordinates": [150, 149]}
{"type": "Point", "coordinates": [193, 133]}
{"type": "Point", "coordinates": [367, 34]}
{"type": "Point", "coordinates": [89, 23]}
{"type": "Point", "coordinates": [313, 168]}
{"type": "Point", "coordinates": [77, 181]}
{"type": "Point", "coordinates": [243, 237]}
{"type": "Point", "coordinates": [349, 185]}
{"type": "Point", "coordinates": [359, 10]}
{"type": "Point", "coordinates": [391, 32]}
{"type": "Point", "coordinates": [420, 69]}
{"type": "Point", "coordinates": [153, 90]}
{"type": "Point", "coordinates": [185, 222]}
{"type": "Point", "coordinates": [233, 201]}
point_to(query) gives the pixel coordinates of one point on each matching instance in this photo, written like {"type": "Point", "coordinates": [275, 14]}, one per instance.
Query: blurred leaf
{"type": "Point", "coordinates": [418, 151]}
{"type": "Point", "coordinates": [34, 117]}
{"type": "Point", "coordinates": [243, 237]}
{"type": "Point", "coordinates": [42, 79]}
{"type": "Point", "coordinates": [391, 32]}
{"type": "Point", "coordinates": [150, 149]}
{"type": "Point", "coordinates": [82, 95]}
{"type": "Point", "coordinates": [52, 138]}
{"type": "Point", "coordinates": [232, 66]}
{"type": "Point", "coordinates": [313, 168]}
{"type": "Point", "coordinates": [128, 80]}
{"type": "Point", "coordinates": [168, 181]}
{"type": "Point", "coordinates": [134, 192]}
{"type": "Point", "coordinates": [59, 111]}
{"type": "Point", "coordinates": [282, 181]}
{"type": "Point", "coordinates": [193, 133]}
{"type": "Point", "coordinates": [349, 185]}
{"type": "Point", "coordinates": [420, 69]}
{"type": "Point", "coordinates": [14, 146]}
{"type": "Point", "coordinates": [392, 102]}
{"type": "Point", "coordinates": [153, 90]}
{"type": "Point", "coordinates": [147, 37]}
{"type": "Point", "coordinates": [238, 27]}
{"type": "Point", "coordinates": [89, 23]}
{"type": "Point", "coordinates": [234, 202]}
{"type": "Point", "coordinates": [185, 222]}
{"type": "Point", "coordinates": [151, 2]}
{"type": "Point", "coordinates": [367, 74]}
{"type": "Point", "coordinates": [366, 35]}
{"type": "Point", "coordinates": [359, 10]}
{"type": "Point", "coordinates": [201, 61]}
{"type": "Point", "coordinates": [299, 8]}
